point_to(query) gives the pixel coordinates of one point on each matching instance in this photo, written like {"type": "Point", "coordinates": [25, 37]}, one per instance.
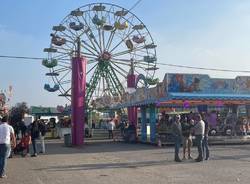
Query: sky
{"type": "Point", "coordinates": [208, 33]}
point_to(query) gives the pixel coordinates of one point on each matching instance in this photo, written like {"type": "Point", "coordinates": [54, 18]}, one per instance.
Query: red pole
{"type": "Point", "coordinates": [78, 91]}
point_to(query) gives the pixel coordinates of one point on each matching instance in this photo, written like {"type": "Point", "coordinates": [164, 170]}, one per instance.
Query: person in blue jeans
{"type": "Point", "coordinates": [205, 147]}
{"type": "Point", "coordinates": [34, 136]}
{"type": "Point", "coordinates": [7, 139]}
{"type": "Point", "coordinates": [199, 130]}
{"type": "Point", "coordinates": [177, 133]}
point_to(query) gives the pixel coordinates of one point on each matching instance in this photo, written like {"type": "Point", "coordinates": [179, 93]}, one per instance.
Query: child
{"type": "Point", "coordinates": [23, 145]}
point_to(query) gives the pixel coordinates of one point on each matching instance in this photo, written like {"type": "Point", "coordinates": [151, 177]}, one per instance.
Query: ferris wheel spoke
{"type": "Point", "coordinates": [91, 61]}
{"type": "Point", "coordinates": [91, 69]}
{"type": "Point", "coordinates": [141, 65]}
{"type": "Point", "coordinates": [109, 85]}
{"type": "Point", "coordinates": [65, 75]}
{"type": "Point", "coordinates": [77, 35]}
{"type": "Point", "coordinates": [121, 63]}
{"type": "Point", "coordinates": [90, 39]}
{"type": "Point", "coordinates": [64, 49]}
{"type": "Point", "coordinates": [93, 82]}
{"type": "Point", "coordinates": [128, 64]}
{"type": "Point", "coordinates": [65, 82]}
{"type": "Point", "coordinates": [89, 48]}
{"type": "Point", "coordinates": [100, 38]}
{"type": "Point", "coordinates": [61, 52]}
{"type": "Point", "coordinates": [64, 66]}
{"type": "Point", "coordinates": [74, 35]}
{"type": "Point", "coordinates": [60, 55]}
{"type": "Point", "coordinates": [91, 33]}
{"type": "Point", "coordinates": [120, 68]}
{"type": "Point", "coordinates": [115, 79]}
{"type": "Point", "coordinates": [99, 88]}
{"type": "Point", "coordinates": [60, 70]}
{"type": "Point", "coordinates": [111, 36]}
{"type": "Point", "coordinates": [128, 51]}
{"type": "Point", "coordinates": [118, 71]}
{"type": "Point", "coordinates": [112, 33]}
{"type": "Point", "coordinates": [68, 90]}
{"type": "Point", "coordinates": [69, 47]}
{"type": "Point", "coordinates": [69, 37]}
{"type": "Point", "coordinates": [88, 54]}
{"type": "Point", "coordinates": [121, 41]}
{"type": "Point", "coordinates": [89, 36]}
{"type": "Point", "coordinates": [64, 62]}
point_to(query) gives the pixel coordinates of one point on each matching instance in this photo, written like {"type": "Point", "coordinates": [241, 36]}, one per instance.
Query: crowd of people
{"type": "Point", "coordinates": [11, 144]}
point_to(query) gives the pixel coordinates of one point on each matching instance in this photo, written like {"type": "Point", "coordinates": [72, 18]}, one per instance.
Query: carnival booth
{"type": "Point", "coordinates": [224, 102]}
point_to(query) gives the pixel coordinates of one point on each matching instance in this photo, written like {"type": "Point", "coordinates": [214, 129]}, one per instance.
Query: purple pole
{"type": "Point", "coordinates": [132, 111]}
{"type": "Point", "coordinates": [78, 99]}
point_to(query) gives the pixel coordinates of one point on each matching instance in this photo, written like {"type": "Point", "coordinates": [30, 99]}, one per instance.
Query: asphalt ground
{"type": "Point", "coordinates": [103, 162]}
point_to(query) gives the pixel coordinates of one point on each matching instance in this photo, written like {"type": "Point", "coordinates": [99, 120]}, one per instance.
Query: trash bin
{"type": "Point", "coordinates": [67, 140]}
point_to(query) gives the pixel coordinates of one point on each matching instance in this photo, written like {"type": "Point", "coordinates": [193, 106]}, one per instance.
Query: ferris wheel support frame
{"type": "Point", "coordinates": [78, 91]}
{"type": "Point", "coordinates": [132, 111]}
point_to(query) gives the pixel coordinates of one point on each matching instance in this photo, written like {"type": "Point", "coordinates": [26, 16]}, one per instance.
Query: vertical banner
{"type": "Point", "coordinates": [132, 111]}
{"type": "Point", "coordinates": [78, 99]}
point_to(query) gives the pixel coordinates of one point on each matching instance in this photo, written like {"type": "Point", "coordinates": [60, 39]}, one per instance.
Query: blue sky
{"type": "Point", "coordinates": [207, 33]}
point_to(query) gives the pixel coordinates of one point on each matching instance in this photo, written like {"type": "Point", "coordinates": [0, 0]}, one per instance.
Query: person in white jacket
{"type": "Point", "coordinates": [7, 140]}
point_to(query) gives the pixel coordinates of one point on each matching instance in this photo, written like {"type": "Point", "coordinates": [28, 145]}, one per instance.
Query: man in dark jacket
{"type": "Point", "coordinates": [42, 131]}
{"type": "Point", "coordinates": [34, 132]}
{"type": "Point", "coordinates": [23, 128]}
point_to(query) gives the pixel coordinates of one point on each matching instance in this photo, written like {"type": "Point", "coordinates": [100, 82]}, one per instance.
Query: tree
{"type": "Point", "coordinates": [17, 112]}
{"type": "Point", "coordinates": [2, 103]}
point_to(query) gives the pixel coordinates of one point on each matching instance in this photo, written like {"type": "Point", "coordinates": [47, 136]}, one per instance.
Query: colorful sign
{"type": "Point", "coordinates": [204, 84]}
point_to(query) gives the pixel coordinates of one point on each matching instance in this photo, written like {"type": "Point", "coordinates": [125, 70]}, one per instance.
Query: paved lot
{"type": "Point", "coordinates": [112, 163]}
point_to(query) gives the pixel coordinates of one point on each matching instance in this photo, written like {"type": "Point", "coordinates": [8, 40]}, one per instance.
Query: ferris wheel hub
{"type": "Point", "coordinates": [105, 56]}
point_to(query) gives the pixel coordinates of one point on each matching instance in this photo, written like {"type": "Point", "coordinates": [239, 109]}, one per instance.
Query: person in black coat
{"type": "Point", "coordinates": [34, 132]}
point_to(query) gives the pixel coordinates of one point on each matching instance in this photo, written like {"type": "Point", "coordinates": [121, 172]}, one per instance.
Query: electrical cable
{"type": "Point", "coordinates": [163, 64]}
{"type": "Point", "coordinates": [135, 5]}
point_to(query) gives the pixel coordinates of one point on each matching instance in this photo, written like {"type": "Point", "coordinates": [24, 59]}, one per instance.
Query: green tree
{"type": "Point", "coordinates": [17, 112]}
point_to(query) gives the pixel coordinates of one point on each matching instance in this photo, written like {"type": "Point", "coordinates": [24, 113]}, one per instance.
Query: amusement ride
{"type": "Point", "coordinates": [95, 48]}
{"type": "Point", "coordinates": [115, 43]}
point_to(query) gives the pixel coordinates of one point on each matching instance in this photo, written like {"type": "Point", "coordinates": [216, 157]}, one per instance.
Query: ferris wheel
{"type": "Point", "coordinates": [114, 41]}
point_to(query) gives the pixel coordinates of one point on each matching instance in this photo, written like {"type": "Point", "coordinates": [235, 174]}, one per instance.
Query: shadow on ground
{"type": "Point", "coordinates": [96, 147]}
{"type": "Point", "coordinates": [129, 165]}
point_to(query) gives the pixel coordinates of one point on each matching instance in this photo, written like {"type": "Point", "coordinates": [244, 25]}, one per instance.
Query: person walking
{"type": "Point", "coordinates": [7, 140]}
{"type": "Point", "coordinates": [34, 136]}
{"type": "Point", "coordinates": [177, 133]}
{"type": "Point", "coordinates": [199, 130]}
